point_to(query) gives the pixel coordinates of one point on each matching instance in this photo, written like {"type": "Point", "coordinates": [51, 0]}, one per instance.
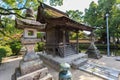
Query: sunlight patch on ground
{"type": "Point", "coordinates": [97, 62]}
{"type": "Point", "coordinates": [83, 77]}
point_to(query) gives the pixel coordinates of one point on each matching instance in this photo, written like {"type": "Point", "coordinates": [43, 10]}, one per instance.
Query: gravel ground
{"type": "Point", "coordinates": [8, 67]}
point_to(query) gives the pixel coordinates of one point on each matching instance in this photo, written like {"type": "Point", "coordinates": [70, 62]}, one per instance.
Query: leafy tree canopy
{"type": "Point", "coordinates": [95, 15]}
{"type": "Point", "coordinates": [75, 15]}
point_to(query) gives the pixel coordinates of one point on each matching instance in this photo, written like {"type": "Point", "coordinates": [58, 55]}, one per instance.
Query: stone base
{"type": "Point", "coordinates": [77, 63]}
{"type": "Point", "coordinates": [93, 52]}
{"type": "Point", "coordinates": [55, 61]}
{"type": "Point", "coordinates": [30, 66]}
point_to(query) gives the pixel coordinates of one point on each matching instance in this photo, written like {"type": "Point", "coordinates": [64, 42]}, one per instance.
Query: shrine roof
{"type": "Point", "coordinates": [50, 11]}
{"type": "Point", "coordinates": [68, 23]}
{"type": "Point", "coordinates": [52, 16]}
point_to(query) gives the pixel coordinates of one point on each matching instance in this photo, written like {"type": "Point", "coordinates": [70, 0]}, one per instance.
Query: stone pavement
{"type": "Point", "coordinates": [107, 61]}
{"type": "Point", "coordinates": [8, 68]}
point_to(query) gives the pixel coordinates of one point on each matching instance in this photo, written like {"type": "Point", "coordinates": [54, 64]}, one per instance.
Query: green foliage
{"type": "Point", "coordinates": [75, 15]}
{"type": "Point", "coordinates": [39, 46]}
{"type": "Point", "coordinates": [16, 47]}
{"type": "Point", "coordinates": [84, 46]}
{"type": "Point", "coordinates": [91, 14]}
{"type": "Point", "coordinates": [39, 35]}
{"type": "Point", "coordinates": [114, 49]}
{"type": "Point", "coordinates": [56, 2]}
{"type": "Point", "coordinates": [95, 17]}
{"type": "Point", "coordinates": [118, 1]}
{"type": "Point", "coordinates": [81, 35]}
{"type": "Point", "coordinates": [5, 51]}
{"type": "Point", "coordinates": [100, 46]}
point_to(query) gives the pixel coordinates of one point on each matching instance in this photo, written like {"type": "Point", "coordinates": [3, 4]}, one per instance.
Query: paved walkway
{"type": "Point", "coordinates": [107, 61]}
{"type": "Point", "coordinates": [8, 68]}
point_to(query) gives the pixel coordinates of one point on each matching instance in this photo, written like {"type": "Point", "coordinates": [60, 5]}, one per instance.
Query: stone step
{"type": "Point", "coordinates": [33, 75]}
{"type": "Point", "coordinates": [69, 51]}
{"type": "Point", "coordinates": [48, 77]}
{"type": "Point", "coordinates": [79, 62]}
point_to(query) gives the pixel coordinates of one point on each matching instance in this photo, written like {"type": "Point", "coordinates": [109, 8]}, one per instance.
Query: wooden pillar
{"type": "Point", "coordinates": [77, 41]}
{"type": "Point", "coordinates": [64, 41]}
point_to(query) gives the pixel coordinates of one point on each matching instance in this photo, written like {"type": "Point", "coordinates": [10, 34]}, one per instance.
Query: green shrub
{"type": "Point", "coordinates": [39, 35]}
{"type": "Point", "coordinates": [5, 51]}
{"type": "Point", "coordinates": [118, 46]}
{"type": "Point", "coordinates": [16, 47]}
{"type": "Point", "coordinates": [84, 46]}
{"type": "Point", "coordinates": [39, 46]}
{"type": "Point", "coordinates": [99, 46]}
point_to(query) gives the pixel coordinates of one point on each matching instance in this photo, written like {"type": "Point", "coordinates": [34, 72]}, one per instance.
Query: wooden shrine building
{"type": "Point", "coordinates": [58, 27]}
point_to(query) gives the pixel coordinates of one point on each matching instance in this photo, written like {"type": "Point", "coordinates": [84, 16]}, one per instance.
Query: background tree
{"type": "Point", "coordinates": [115, 22]}
{"type": "Point", "coordinates": [75, 15]}
{"type": "Point", "coordinates": [90, 17]}
{"type": "Point", "coordinates": [95, 16]}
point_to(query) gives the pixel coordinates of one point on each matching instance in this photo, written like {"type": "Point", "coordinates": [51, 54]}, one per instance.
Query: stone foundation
{"type": "Point", "coordinates": [55, 61]}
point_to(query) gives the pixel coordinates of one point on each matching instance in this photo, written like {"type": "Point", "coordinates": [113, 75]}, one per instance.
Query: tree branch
{"type": "Point", "coordinates": [13, 8]}
{"type": "Point", "coordinates": [17, 8]}
{"type": "Point", "coordinates": [10, 13]}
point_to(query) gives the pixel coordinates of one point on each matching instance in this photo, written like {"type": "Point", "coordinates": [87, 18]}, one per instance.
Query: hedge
{"type": "Point", "coordinates": [100, 46]}
{"type": "Point", "coordinates": [39, 46]}
{"type": "Point", "coordinates": [5, 51]}
{"type": "Point", "coordinates": [16, 47]}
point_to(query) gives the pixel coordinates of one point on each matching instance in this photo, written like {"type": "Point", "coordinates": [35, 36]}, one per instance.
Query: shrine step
{"type": "Point", "coordinates": [48, 77]}
{"type": "Point", "coordinates": [79, 62]}
{"type": "Point", "coordinates": [69, 51]}
{"type": "Point", "coordinates": [104, 72]}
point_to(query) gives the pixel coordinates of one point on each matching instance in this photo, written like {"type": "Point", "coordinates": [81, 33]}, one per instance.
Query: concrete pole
{"type": "Point", "coordinates": [107, 29]}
